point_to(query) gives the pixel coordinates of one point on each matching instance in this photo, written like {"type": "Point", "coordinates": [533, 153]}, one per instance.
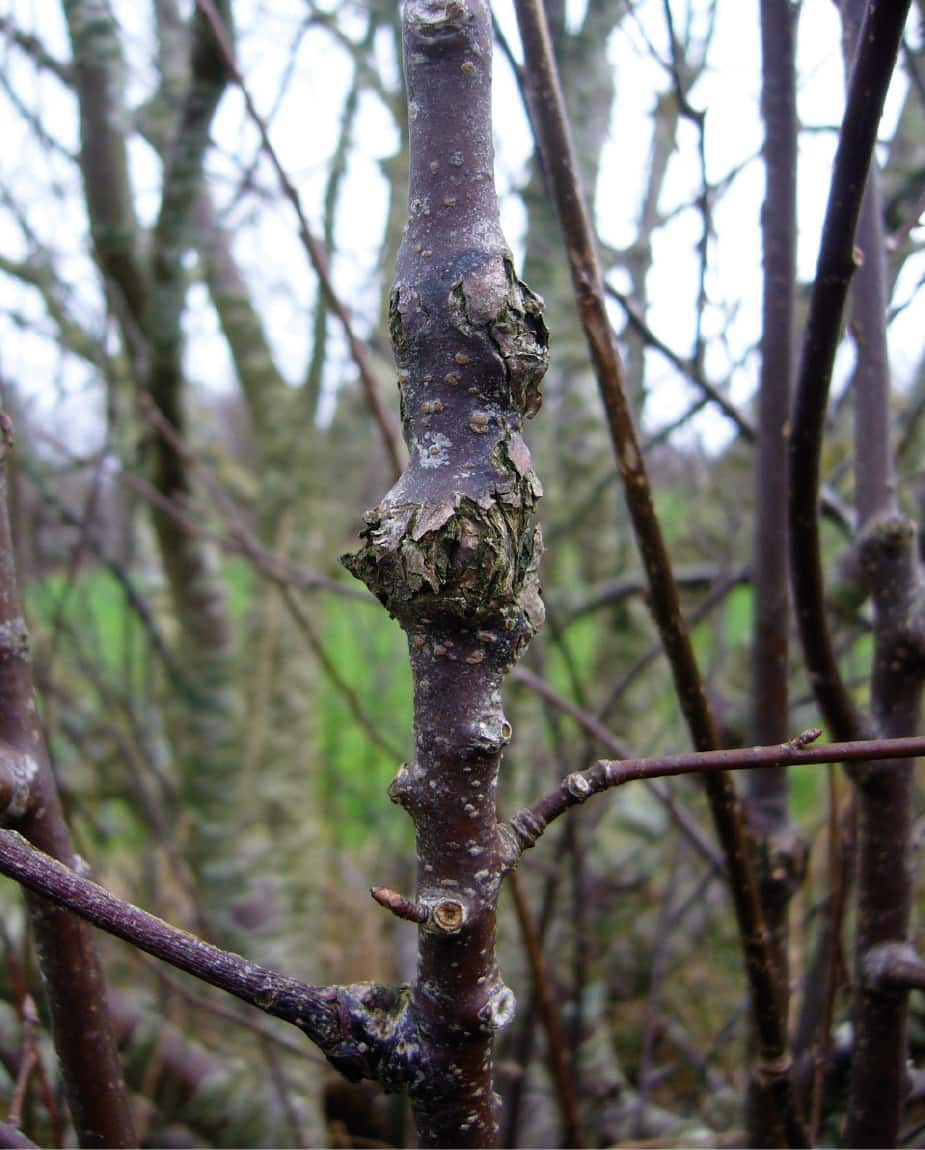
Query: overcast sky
{"type": "Point", "coordinates": [305, 131]}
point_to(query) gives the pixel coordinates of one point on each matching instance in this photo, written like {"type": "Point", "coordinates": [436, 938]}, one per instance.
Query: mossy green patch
{"type": "Point", "coordinates": [371, 654]}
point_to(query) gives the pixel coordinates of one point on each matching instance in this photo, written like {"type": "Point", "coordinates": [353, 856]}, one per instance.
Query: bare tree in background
{"type": "Point", "coordinates": [223, 708]}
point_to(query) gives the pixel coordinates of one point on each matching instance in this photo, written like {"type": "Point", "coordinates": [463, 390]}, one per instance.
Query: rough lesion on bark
{"type": "Point", "coordinates": [455, 540]}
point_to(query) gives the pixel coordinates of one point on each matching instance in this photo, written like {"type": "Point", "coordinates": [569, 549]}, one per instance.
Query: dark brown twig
{"type": "Point", "coordinates": [552, 125]}
{"type": "Point", "coordinates": [329, 1016]}
{"type": "Point", "coordinates": [549, 1010]}
{"type": "Point", "coordinates": [780, 852]}
{"type": "Point", "coordinates": [878, 46]}
{"type": "Point", "coordinates": [890, 565]}
{"type": "Point", "coordinates": [529, 823]}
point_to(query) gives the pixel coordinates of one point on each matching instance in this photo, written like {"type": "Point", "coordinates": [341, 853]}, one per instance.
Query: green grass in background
{"type": "Point", "coordinates": [371, 654]}
{"type": "Point", "coordinates": [369, 651]}
{"type": "Point", "coordinates": [94, 602]}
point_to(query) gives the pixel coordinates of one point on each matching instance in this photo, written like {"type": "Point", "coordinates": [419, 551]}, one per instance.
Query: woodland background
{"type": "Point", "coordinates": [225, 707]}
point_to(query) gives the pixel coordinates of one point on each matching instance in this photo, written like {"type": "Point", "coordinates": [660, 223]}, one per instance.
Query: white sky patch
{"type": "Point", "coordinates": [305, 130]}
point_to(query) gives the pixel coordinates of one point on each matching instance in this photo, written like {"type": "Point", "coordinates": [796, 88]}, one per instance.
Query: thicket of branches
{"type": "Point", "coordinates": [202, 713]}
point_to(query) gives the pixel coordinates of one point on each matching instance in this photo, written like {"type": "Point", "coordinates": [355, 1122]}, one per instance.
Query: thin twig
{"type": "Point", "coordinates": [320, 1012]}
{"type": "Point", "coordinates": [35, 49]}
{"type": "Point", "coordinates": [546, 1000]}
{"type": "Point", "coordinates": [529, 823]}
{"type": "Point", "coordinates": [690, 368]}
{"type": "Point", "coordinates": [686, 823]}
{"type": "Point", "coordinates": [552, 125]}
{"type": "Point", "coordinates": [313, 246]}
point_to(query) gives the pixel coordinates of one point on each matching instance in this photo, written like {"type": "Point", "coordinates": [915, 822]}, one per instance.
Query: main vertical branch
{"type": "Point", "coordinates": [452, 549]}
{"type": "Point", "coordinates": [779, 853]}
{"type": "Point", "coordinates": [888, 548]}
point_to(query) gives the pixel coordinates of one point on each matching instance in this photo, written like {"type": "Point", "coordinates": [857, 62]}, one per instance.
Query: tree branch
{"type": "Point", "coordinates": [530, 822]}
{"type": "Point", "coordinates": [35, 49]}
{"type": "Point", "coordinates": [70, 966]}
{"type": "Point", "coordinates": [691, 368]}
{"type": "Point", "coordinates": [878, 46]}
{"type": "Point", "coordinates": [452, 550]}
{"type": "Point", "coordinates": [552, 126]}
{"type": "Point", "coordinates": [780, 852]}
{"type": "Point", "coordinates": [341, 1021]}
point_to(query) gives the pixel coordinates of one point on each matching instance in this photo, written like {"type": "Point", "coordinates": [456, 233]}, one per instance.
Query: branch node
{"type": "Point", "coordinates": [498, 1012]}
{"type": "Point", "coordinates": [448, 916]}
{"type": "Point", "coordinates": [803, 739]}
{"type": "Point", "coordinates": [894, 966]}
{"type": "Point", "coordinates": [578, 786]}
{"type": "Point", "coordinates": [398, 787]}
{"type": "Point", "coordinates": [400, 906]}
{"type": "Point", "coordinates": [769, 1070]}
{"type": "Point", "coordinates": [527, 826]}
{"type": "Point", "coordinates": [17, 772]}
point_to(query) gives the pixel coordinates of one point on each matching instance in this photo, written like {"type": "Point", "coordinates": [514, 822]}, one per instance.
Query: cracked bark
{"type": "Point", "coordinates": [452, 550]}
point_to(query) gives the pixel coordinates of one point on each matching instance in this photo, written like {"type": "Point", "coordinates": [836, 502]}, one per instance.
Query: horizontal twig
{"type": "Point", "coordinates": [685, 821]}
{"type": "Point", "coordinates": [530, 822]}
{"type": "Point", "coordinates": [39, 872]}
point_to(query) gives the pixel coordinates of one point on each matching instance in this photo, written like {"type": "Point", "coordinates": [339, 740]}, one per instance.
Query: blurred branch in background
{"type": "Point", "coordinates": [223, 712]}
